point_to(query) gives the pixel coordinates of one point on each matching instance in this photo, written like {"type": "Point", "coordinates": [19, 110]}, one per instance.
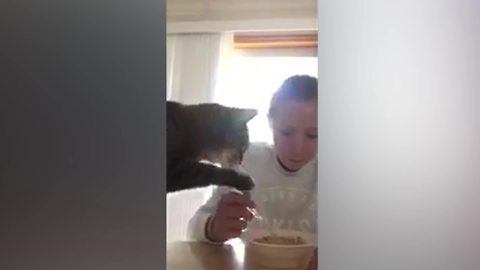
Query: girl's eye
{"type": "Point", "coordinates": [286, 132]}
{"type": "Point", "coordinates": [312, 136]}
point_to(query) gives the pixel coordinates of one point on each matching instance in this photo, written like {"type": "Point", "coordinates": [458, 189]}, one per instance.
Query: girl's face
{"type": "Point", "coordinates": [294, 127]}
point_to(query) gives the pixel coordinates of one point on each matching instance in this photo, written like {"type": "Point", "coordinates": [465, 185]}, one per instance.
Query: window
{"type": "Point", "coordinates": [258, 67]}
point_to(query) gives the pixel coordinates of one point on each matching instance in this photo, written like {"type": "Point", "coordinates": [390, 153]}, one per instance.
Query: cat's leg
{"type": "Point", "coordinates": [192, 174]}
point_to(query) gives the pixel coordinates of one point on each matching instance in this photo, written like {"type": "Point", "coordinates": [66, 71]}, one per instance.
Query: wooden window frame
{"type": "Point", "coordinates": [244, 41]}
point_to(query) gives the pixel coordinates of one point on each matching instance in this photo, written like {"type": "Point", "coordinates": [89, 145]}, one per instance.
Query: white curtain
{"type": "Point", "coordinates": [194, 64]}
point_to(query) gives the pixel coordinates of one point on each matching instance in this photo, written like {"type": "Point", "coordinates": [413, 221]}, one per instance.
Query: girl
{"type": "Point", "coordinates": [284, 173]}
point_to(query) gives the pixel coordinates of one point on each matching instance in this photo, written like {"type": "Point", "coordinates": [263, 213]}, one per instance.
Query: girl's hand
{"type": "Point", "coordinates": [231, 217]}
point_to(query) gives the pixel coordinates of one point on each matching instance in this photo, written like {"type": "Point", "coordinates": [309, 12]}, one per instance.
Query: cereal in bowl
{"type": "Point", "coordinates": [274, 239]}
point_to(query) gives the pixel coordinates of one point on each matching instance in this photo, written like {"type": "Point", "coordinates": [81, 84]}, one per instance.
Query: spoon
{"type": "Point", "coordinates": [241, 169]}
{"type": "Point", "coordinates": [255, 214]}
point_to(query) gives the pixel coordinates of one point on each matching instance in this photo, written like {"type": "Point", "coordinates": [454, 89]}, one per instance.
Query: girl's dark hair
{"type": "Point", "coordinates": [298, 87]}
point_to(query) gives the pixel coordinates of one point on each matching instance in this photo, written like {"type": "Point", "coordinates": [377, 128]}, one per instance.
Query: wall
{"type": "Point", "coordinates": [228, 15]}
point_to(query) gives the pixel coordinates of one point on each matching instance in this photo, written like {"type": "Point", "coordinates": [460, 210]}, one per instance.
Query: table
{"type": "Point", "coordinates": [203, 256]}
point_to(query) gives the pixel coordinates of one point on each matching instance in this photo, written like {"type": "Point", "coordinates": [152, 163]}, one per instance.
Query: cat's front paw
{"type": "Point", "coordinates": [239, 181]}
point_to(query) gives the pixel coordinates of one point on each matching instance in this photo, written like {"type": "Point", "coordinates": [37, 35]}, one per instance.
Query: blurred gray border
{"type": "Point", "coordinates": [82, 126]}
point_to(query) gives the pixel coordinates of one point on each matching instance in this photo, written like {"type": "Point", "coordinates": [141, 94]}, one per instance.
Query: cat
{"type": "Point", "coordinates": [206, 132]}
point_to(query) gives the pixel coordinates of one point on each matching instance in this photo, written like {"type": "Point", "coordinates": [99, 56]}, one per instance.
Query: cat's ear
{"type": "Point", "coordinates": [245, 115]}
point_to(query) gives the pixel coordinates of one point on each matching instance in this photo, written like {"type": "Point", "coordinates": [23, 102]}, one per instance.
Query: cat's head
{"type": "Point", "coordinates": [224, 132]}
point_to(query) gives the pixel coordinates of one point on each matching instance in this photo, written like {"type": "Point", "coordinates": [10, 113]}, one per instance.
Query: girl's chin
{"type": "Point", "coordinates": [292, 165]}
{"type": "Point", "coordinates": [295, 166]}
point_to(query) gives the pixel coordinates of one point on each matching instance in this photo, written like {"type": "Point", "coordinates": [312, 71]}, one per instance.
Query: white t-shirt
{"type": "Point", "coordinates": [285, 200]}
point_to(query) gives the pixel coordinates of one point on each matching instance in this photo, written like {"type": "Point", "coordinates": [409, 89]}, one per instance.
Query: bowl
{"type": "Point", "coordinates": [279, 256]}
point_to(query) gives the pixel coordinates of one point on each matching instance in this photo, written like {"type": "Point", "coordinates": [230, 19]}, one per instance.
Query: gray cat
{"type": "Point", "coordinates": [209, 132]}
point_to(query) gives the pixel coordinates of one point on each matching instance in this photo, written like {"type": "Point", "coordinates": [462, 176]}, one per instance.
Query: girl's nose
{"type": "Point", "coordinates": [298, 145]}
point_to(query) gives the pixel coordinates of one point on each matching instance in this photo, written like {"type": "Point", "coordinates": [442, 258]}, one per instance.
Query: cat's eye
{"type": "Point", "coordinates": [229, 138]}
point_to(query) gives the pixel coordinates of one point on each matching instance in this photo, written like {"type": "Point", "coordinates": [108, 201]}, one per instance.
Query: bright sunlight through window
{"type": "Point", "coordinates": [253, 82]}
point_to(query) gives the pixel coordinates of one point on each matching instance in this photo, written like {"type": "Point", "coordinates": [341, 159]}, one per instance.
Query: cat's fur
{"type": "Point", "coordinates": [209, 132]}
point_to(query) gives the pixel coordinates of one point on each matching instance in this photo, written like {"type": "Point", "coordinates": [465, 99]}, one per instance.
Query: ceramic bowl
{"type": "Point", "coordinates": [279, 256]}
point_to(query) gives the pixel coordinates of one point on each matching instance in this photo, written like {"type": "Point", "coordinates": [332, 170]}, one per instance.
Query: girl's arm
{"type": "Point", "coordinates": [197, 223]}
